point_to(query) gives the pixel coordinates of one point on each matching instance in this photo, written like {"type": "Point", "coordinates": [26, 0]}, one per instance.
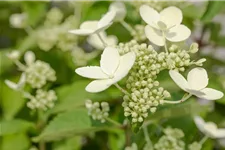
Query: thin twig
{"type": "Point", "coordinates": [179, 101]}
{"type": "Point", "coordinates": [127, 26]}
{"type": "Point", "coordinates": [121, 89]}
{"type": "Point", "coordinates": [103, 42]}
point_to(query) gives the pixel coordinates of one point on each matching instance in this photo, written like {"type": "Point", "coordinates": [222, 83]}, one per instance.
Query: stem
{"type": "Point", "coordinates": [147, 139]}
{"type": "Point", "coordinates": [114, 122]}
{"type": "Point", "coordinates": [127, 26]}
{"type": "Point", "coordinates": [103, 42]}
{"type": "Point", "coordinates": [20, 65]}
{"type": "Point", "coordinates": [179, 101]}
{"type": "Point", "coordinates": [165, 46]}
{"type": "Point", "coordinates": [40, 125]}
{"type": "Point", "coordinates": [121, 89]}
{"type": "Point", "coordinates": [203, 139]}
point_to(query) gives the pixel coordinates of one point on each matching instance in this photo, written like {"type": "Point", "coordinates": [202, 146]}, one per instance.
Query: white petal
{"type": "Point", "coordinates": [220, 133]}
{"type": "Point", "coordinates": [94, 40]}
{"type": "Point", "coordinates": [111, 40]}
{"type": "Point", "coordinates": [110, 60]}
{"type": "Point", "coordinates": [22, 80]}
{"type": "Point", "coordinates": [29, 57]}
{"type": "Point", "coordinates": [92, 72]}
{"type": "Point", "coordinates": [197, 78]}
{"type": "Point", "coordinates": [107, 19]}
{"type": "Point", "coordinates": [82, 32]}
{"type": "Point", "coordinates": [154, 35]}
{"type": "Point", "coordinates": [126, 63]}
{"type": "Point", "coordinates": [178, 33]}
{"type": "Point", "coordinates": [11, 85]}
{"type": "Point", "coordinates": [211, 94]}
{"type": "Point", "coordinates": [171, 16]}
{"type": "Point", "coordinates": [149, 15]}
{"type": "Point", "coordinates": [200, 123]}
{"type": "Point", "coordinates": [179, 80]}
{"type": "Point", "coordinates": [102, 28]}
{"type": "Point", "coordinates": [120, 10]}
{"type": "Point", "coordinates": [98, 85]}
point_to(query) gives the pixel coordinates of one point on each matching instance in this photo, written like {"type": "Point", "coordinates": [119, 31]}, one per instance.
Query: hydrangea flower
{"type": "Point", "coordinates": [19, 85]}
{"type": "Point", "coordinates": [164, 25]}
{"type": "Point", "coordinates": [196, 83]}
{"type": "Point", "coordinates": [91, 27]}
{"type": "Point", "coordinates": [96, 42]}
{"type": "Point", "coordinates": [120, 10]}
{"type": "Point", "coordinates": [209, 128]}
{"type": "Point", "coordinates": [113, 68]}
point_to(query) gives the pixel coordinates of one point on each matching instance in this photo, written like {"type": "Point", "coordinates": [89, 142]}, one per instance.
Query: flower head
{"type": "Point", "coordinates": [209, 128]}
{"type": "Point", "coordinates": [196, 83]}
{"type": "Point", "coordinates": [113, 68]}
{"type": "Point", "coordinates": [91, 27]}
{"type": "Point", "coordinates": [164, 25]}
{"type": "Point", "coordinates": [120, 10]}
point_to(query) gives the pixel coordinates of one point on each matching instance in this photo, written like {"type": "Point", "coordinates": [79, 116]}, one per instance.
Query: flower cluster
{"type": "Point", "coordinates": [98, 111]}
{"type": "Point", "coordinates": [139, 33]}
{"type": "Point", "coordinates": [42, 100]}
{"type": "Point", "coordinates": [36, 73]}
{"type": "Point", "coordinates": [172, 140]}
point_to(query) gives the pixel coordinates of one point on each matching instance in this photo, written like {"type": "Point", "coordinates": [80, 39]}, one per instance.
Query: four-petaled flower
{"type": "Point", "coordinates": [196, 83]}
{"type": "Point", "coordinates": [164, 25]}
{"type": "Point", "coordinates": [92, 27]}
{"type": "Point", "coordinates": [209, 128]}
{"type": "Point", "coordinates": [113, 68]}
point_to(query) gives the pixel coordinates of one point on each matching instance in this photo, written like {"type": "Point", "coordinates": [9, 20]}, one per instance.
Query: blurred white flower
{"type": "Point", "coordinates": [120, 10]}
{"type": "Point", "coordinates": [209, 128]}
{"type": "Point", "coordinates": [96, 42]}
{"type": "Point", "coordinates": [91, 27]}
{"type": "Point", "coordinates": [13, 55]}
{"type": "Point", "coordinates": [164, 25]}
{"type": "Point", "coordinates": [29, 57]}
{"type": "Point", "coordinates": [18, 20]}
{"type": "Point", "coordinates": [113, 68]}
{"type": "Point", "coordinates": [19, 85]}
{"type": "Point", "coordinates": [196, 83]}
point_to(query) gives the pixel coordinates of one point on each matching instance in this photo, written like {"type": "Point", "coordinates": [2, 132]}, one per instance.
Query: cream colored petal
{"type": "Point", "coordinates": [149, 15]}
{"type": "Point", "coordinates": [179, 80]}
{"type": "Point", "coordinates": [29, 57]}
{"type": "Point", "coordinates": [220, 133]}
{"type": "Point", "coordinates": [178, 33]}
{"type": "Point", "coordinates": [82, 32]}
{"type": "Point", "coordinates": [200, 123]}
{"type": "Point", "coordinates": [89, 25]}
{"type": "Point", "coordinates": [197, 78]}
{"type": "Point", "coordinates": [11, 85]}
{"type": "Point", "coordinates": [110, 60]}
{"type": "Point", "coordinates": [107, 19]}
{"type": "Point", "coordinates": [22, 80]}
{"type": "Point", "coordinates": [154, 35]}
{"type": "Point", "coordinates": [211, 94]}
{"type": "Point", "coordinates": [120, 10]}
{"type": "Point", "coordinates": [93, 72]}
{"type": "Point", "coordinates": [171, 16]}
{"type": "Point", "coordinates": [94, 41]}
{"type": "Point", "coordinates": [111, 40]}
{"type": "Point", "coordinates": [126, 63]}
{"type": "Point", "coordinates": [98, 85]}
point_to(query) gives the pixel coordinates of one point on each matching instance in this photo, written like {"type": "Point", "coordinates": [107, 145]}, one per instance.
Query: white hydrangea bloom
{"type": "Point", "coordinates": [96, 42]}
{"type": "Point", "coordinates": [91, 27]}
{"type": "Point", "coordinates": [19, 85]}
{"type": "Point", "coordinates": [18, 20]}
{"type": "Point", "coordinates": [196, 83]}
{"type": "Point", "coordinates": [120, 10]}
{"type": "Point", "coordinates": [113, 68]}
{"type": "Point", "coordinates": [164, 25]}
{"type": "Point", "coordinates": [209, 128]}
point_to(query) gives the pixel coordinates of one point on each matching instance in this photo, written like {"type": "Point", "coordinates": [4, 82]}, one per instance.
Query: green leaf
{"type": "Point", "coordinates": [66, 125]}
{"type": "Point", "coordinates": [213, 8]}
{"type": "Point", "coordinates": [15, 142]}
{"type": "Point", "coordinates": [73, 143]}
{"type": "Point", "coordinates": [12, 101]}
{"type": "Point", "coordinates": [15, 126]}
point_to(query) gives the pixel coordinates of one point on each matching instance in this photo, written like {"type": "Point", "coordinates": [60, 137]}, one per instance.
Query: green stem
{"type": "Point", "coordinates": [179, 101]}
{"type": "Point", "coordinates": [41, 124]}
{"type": "Point", "coordinates": [165, 46]}
{"type": "Point", "coordinates": [121, 89]}
{"type": "Point", "coordinates": [203, 140]}
{"type": "Point", "coordinates": [127, 26]}
{"type": "Point", "coordinates": [103, 42]}
{"type": "Point", "coordinates": [147, 139]}
{"type": "Point", "coordinates": [114, 122]}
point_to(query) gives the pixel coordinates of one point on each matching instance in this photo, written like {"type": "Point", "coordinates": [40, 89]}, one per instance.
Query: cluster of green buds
{"type": "Point", "coordinates": [36, 73]}
{"type": "Point", "coordinates": [43, 100]}
{"type": "Point", "coordinates": [139, 33]}
{"type": "Point", "coordinates": [172, 140]}
{"type": "Point", "coordinates": [145, 92]}
{"type": "Point", "coordinates": [98, 111]}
